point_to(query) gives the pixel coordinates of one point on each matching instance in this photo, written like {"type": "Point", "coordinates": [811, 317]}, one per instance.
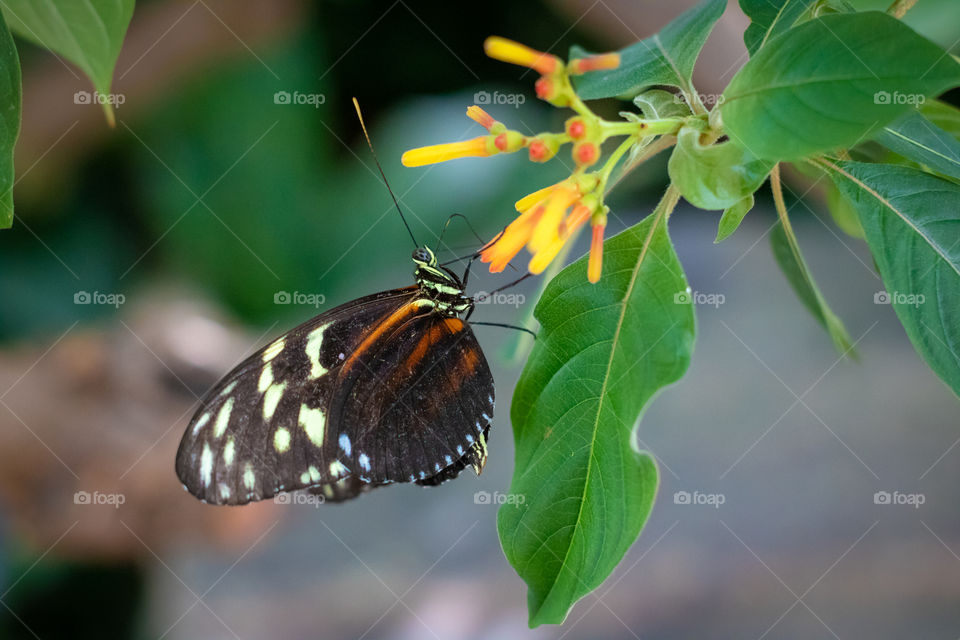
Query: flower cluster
{"type": "Point", "coordinates": [551, 217]}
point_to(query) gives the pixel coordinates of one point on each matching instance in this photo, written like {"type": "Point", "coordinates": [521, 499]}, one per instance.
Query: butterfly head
{"type": "Point", "coordinates": [424, 257]}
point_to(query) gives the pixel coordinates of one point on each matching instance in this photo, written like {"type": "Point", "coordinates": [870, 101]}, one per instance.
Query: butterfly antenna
{"type": "Point", "coordinates": [366, 135]}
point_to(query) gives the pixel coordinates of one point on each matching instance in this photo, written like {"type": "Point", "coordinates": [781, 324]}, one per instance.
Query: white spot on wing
{"type": "Point", "coordinates": [305, 478]}
{"type": "Point", "coordinates": [314, 473]}
{"type": "Point", "coordinates": [223, 417]}
{"type": "Point", "coordinates": [204, 419]}
{"type": "Point", "coordinates": [266, 378]}
{"type": "Point", "coordinates": [281, 440]}
{"type": "Point", "coordinates": [206, 464]}
{"type": "Point", "coordinates": [228, 451]}
{"type": "Point", "coordinates": [272, 398]}
{"type": "Point", "coordinates": [345, 443]}
{"type": "Point", "coordinates": [337, 469]}
{"type": "Point", "coordinates": [364, 461]}
{"type": "Point", "coordinates": [314, 342]}
{"type": "Point", "coordinates": [224, 491]}
{"type": "Point", "coordinates": [227, 389]}
{"type": "Point", "coordinates": [448, 460]}
{"type": "Point", "coordinates": [486, 417]}
{"type": "Point", "coordinates": [459, 450]}
{"type": "Point", "coordinates": [313, 422]}
{"type": "Point", "coordinates": [273, 350]}
{"type": "Point", "coordinates": [249, 479]}
{"type": "Point", "coordinates": [469, 438]}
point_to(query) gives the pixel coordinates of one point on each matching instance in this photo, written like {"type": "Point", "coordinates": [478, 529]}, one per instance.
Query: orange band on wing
{"type": "Point", "coordinates": [399, 316]}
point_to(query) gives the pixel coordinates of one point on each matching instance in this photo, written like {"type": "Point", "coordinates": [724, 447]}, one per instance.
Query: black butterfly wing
{"type": "Point", "coordinates": [381, 390]}
{"type": "Point", "coordinates": [417, 406]}
{"type": "Point", "coordinates": [229, 452]}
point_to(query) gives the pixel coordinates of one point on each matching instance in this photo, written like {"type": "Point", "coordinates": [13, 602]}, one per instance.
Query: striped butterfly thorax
{"type": "Point", "coordinates": [391, 387]}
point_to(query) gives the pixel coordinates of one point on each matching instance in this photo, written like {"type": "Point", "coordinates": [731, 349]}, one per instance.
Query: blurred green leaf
{"type": "Point", "coordinates": [843, 212]}
{"type": "Point", "coordinates": [715, 176]}
{"type": "Point", "coordinates": [912, 223]}
{"type": "Point", "coordinates": [732, 217]}
{"type": "Point", "coordinates": [915, 137]}
{"type": "Point", "coordinates": [604, 351]}
{"type": "Point", "coordinates": [786, 102]}
{"type": "Point", "coordinates": [770, 18]}
{"type": "Point", "coordinates": [88, 33]}
{"type": "Point", "coordinates": [944, 115]}
{"type": "Point", "coordinates": [9, 121]}
{"type": "Point", "coordinates": [664, 58]}
{"type": "Point", "coordinates": [786, 251]}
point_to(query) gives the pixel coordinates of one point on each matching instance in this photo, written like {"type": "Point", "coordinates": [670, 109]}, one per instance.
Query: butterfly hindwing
{"type": "Point", "coordinates": [420, 402]}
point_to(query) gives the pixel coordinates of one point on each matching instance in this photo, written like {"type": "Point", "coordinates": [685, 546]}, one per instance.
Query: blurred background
{"type": "Point", "coordinates": [147, 259]}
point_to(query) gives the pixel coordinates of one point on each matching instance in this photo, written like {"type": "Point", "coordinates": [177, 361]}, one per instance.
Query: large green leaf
{"type": "Point", "coordinates": [9, 120]}
{"type": "Point", "coordinates": [912, 224]}
{"type": "Point", "coordinates": [915, 137]}
{"type": "Point", "coordinates": [831, 82]}
{"type": "Point", "coordinates": [604, 350]}
{"type": "Point", "coordinates": [770, 18]}
{"type": "Point", "coordinates": [664, 58]}
{"type": "Point", "coordinates": [714, 176]}
{"type": "Point", "coordinates": [88, 33]}
{"type": "Point", "coordinates": [786, 251]}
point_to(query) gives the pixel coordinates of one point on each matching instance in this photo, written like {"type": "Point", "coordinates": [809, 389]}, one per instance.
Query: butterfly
{"type": "Point", "coordinates": [389, 388]}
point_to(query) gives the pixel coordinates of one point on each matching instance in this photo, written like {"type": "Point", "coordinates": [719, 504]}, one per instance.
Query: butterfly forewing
{"type": "Point", "coordinates": [380, 390]}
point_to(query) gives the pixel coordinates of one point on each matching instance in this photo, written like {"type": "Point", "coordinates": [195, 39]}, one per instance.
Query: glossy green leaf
{"type": "Point", "coordinates": [770, 18]}
{"type": "Point", "coordinates": [9, 120]}
{"type": "Point", "coordinates": [603, 351]}
{"type": "Point", "coordinates": [786, 251]}
{"type": "Point", "coordinates": [832, 82]}
{"type": "Point", "coordinates": [88, 33]}
{"type": "Point", "coordinates": [732, 217]}
{"type": "Point", "coordinates": [664, 58]}
{"type": "Point", "coordinates": [915, 137]}
{"type": "Point", "coordinates": [912, 224]}
{"type": "Point", "coordinates": [715, 176]}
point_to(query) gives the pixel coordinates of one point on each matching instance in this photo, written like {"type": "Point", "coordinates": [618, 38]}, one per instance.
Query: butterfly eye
{"type": "Point", "coordinates": [421, 255]}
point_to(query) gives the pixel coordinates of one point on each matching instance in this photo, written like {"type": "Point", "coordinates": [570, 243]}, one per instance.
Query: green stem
{"type": "Point", "coordinates": [642, 128]}
{"type": "Point", "coordinates": [614, 159]}
{"type": "Point", "coordinates": [658, 145]}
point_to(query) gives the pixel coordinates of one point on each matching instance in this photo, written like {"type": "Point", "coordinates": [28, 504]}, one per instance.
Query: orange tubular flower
{"type": "Point", "coordinates": [515, 53]}
{"type": "Point", "coordinates": [476, 148]}
{"type": "Point", "coordinates": [484, 119]}
{"type": "Point", "coordinates": [544, 227]}
{"type": "Point", "coordinates": [594, 63]}
{"type": "Point", "coordinates": [595, 263]}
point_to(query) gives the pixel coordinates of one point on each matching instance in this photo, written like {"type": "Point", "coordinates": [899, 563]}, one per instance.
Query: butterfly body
{"type": "Point", "coordinates": [389, 388]}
